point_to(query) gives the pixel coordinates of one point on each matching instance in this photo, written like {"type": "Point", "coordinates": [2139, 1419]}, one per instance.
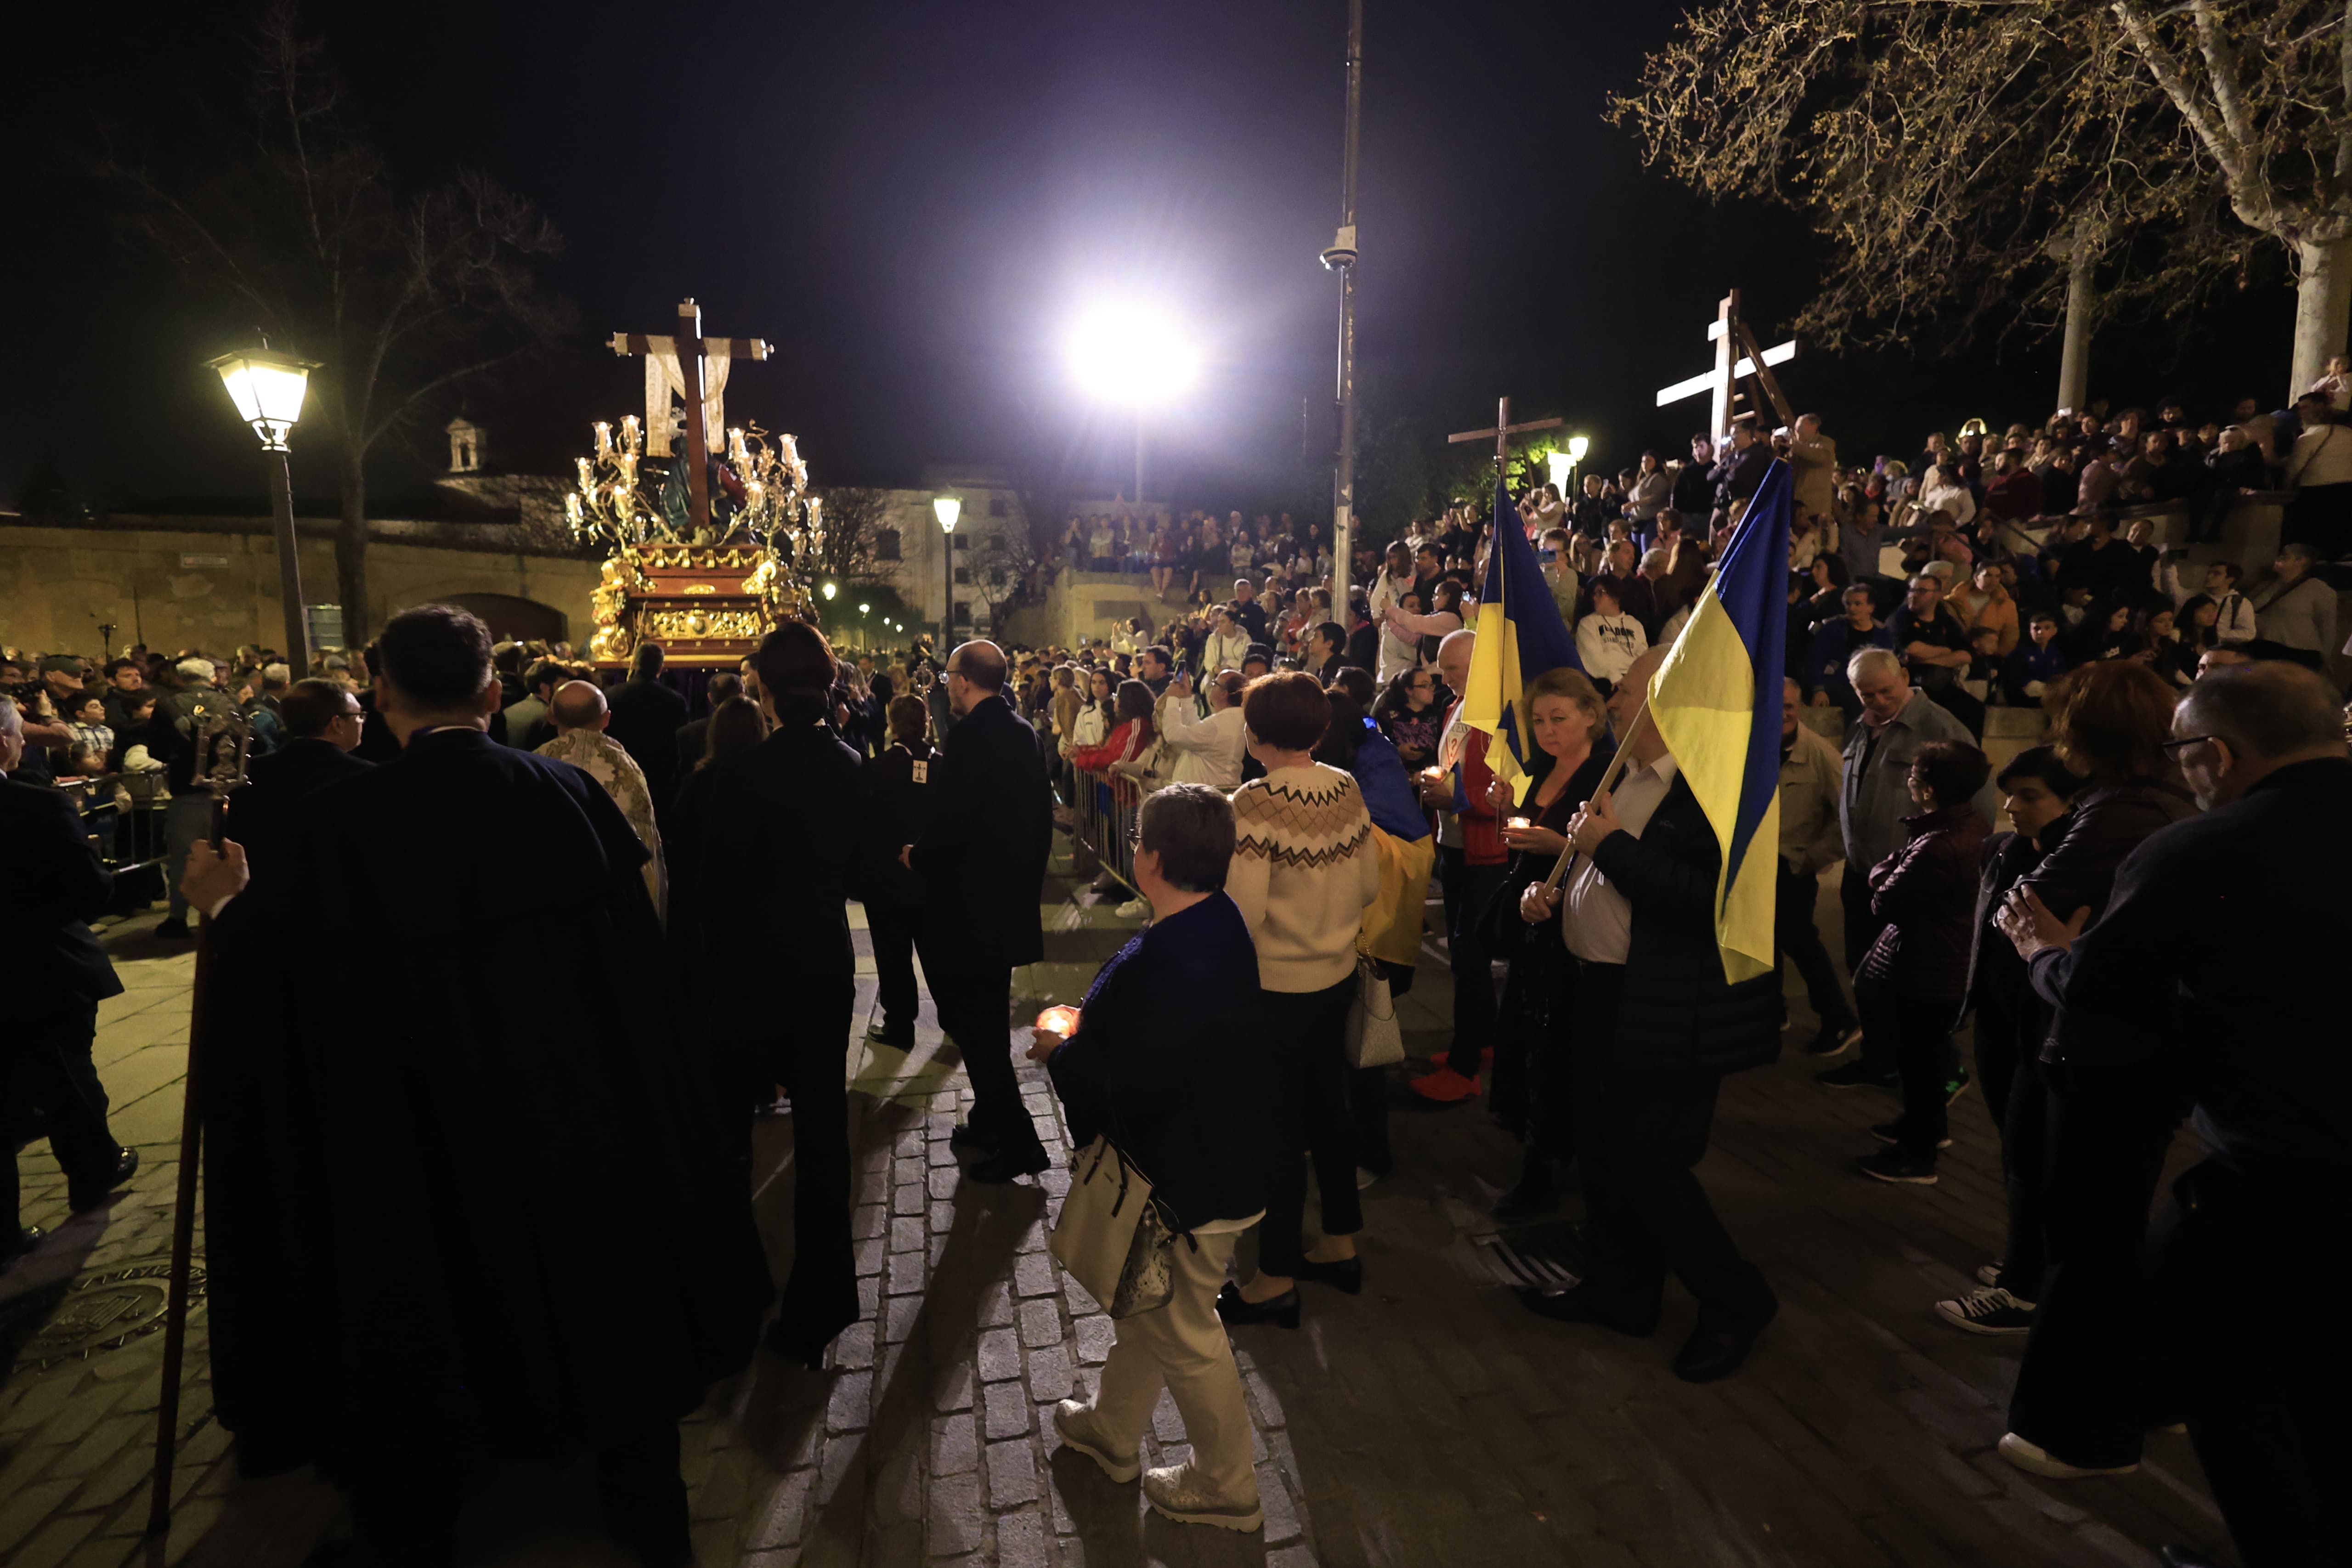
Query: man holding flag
{"type": "Point", "coordinates": [1518, 635]}
{"type": "Point", "coordinates": [1669, 918]}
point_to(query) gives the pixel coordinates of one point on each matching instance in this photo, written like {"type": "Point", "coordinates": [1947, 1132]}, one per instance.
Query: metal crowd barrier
{"type": "Point", "coordinates": [1103, 826]}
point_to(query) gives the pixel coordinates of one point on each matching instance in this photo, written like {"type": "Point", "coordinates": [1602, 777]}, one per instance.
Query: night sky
{"type": "Point", "coordinates": [911, 199]}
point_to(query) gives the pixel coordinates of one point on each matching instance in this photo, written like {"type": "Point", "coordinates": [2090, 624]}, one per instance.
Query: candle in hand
{"type": "Point", "coordinates": [1516, 822]}
{"type": "Point", "coordinates": [1061, 1021]}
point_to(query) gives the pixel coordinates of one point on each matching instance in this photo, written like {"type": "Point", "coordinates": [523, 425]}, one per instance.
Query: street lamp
{"type": "Point", "coordinates": [946, 509]}
{"type": "Point", "coordinates": [267, 387]}
{"type": "Point", "coordinates": [1577, 447]}
{"type": "Point", "coordinates": [1131, 357]}
{"type": "Point", "coordinates": [829, 590]}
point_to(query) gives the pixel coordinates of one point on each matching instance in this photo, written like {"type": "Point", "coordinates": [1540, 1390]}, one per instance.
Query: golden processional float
{"type": "Point", "coordinates": [706, 594]}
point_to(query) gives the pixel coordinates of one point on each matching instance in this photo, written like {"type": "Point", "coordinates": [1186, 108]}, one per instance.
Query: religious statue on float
{"type": "Point", "coordinates": [707, 594]}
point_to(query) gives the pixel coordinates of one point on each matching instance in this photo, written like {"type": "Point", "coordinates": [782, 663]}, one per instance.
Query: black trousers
{"type": "Point", "coordinates": [1912, 1037]}
{"type": "Point", "coordinates": [807, 1052]}
{"type": "Point", "coordinates": [975, 1003]}
{"type": "Point", "coordinates": [1799, 940]}
{"type": "Point", "coordinates": [2008, 1070]}
{"type": "Point", "coordinates": [45, 1067]}
{"type": "Point", "coordinates": [1645, 1213]}
{"type": "Point", "coordinates": [1468, 889]}
{"type": "Point", "coordinates": [410, 1514]}
{"type": "Point", "coordinates": [2249, 1276]}
{"type": "Point", "coordinates": [1862, 927]}
{"type": "Point", "coordinates": [1532, 1065]}
{"type": "Point", "coordinates": [892, 928]}
{"type": "Point", "coordinates": [1307, 1112]}
{"type": "Point", "coordinates": [2091, 1382]}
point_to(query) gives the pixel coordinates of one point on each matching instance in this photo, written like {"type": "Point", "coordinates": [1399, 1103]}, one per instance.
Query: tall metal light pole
{"type": "Point", "coordinates": [267, 387]}
{"type": "Point", "coordinates": [1340, 257]}
{"type": "Point", "coordinates": [946, 509]}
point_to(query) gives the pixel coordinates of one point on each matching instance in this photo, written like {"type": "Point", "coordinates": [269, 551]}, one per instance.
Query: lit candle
{"type": "Point", "coordinates": [1516, 822]}
{"type": "Point", "coordinates": [587, 474]}
{"type": "Point", "coordinates": [630, 435]}
{"type": "Point", "coordinates": [571, 507]}
{"type": "Point", "coordinates": [604, 438]}
{"type": "Point", "coordinates": [1061, 1021]}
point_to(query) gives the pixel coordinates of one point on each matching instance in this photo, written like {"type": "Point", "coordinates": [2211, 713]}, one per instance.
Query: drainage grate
{"type": "Point", "coordinates": [1549, 1255]}
{"type": "Point", "coordinates": [98, 1312]}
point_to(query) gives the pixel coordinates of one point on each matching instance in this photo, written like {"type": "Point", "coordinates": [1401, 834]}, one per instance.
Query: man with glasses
{"type": "Point", "coordinates": [982, 862]}
{"type": "Point", "coordinates": [323, 730]}
{"type": "Point", "coordinates": [2250, 1000]}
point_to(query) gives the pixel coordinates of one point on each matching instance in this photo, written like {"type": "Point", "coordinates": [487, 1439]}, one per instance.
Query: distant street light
{"type": "Point", "coordinates": [267, 388]}
{"type": "Point", "coordinates": [1577, 447]}
{"type": "Point", "coordinates": [1133, 358]}
{"type": "Point", "coordinates": [829, 590]}
{"type": "Point", "coordinates": [946, 509]}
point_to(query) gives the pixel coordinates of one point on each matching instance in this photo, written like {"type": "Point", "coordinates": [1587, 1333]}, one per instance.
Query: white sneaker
{"type": "Point", "coordinates": [1177, 1491]}
{"type": "Point", "coordinates": [1992, 1311]}
{"type": "Point", "coordinates": [1076, 1423]}
{"type": "Point", "coordinates": [2041, 1461]}
{"type": "Point", "coordinates": [1134, 909]}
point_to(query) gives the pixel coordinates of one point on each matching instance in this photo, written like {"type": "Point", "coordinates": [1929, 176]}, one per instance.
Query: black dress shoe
{"type": "Point", "coordinates": [1532, 1196]}
{"type": "Point", "coordinates": [20, 1246]}
{"type": "Point", "coordinates": [1281, 1311]}
{"type": "Point", "coordinates": [1347, 1274]}
{"type": "Point", "coordinates": [1004, 1166]}
{"type": "Point", "coordinates": [1718, 1347]}
{"type": "Point", "coordinates": [172, 930]}
{"type": "Point", "coordinates": [883, 1035]}
{"type": "Point", "coordinates": [805, 1333]}
{"type": "Point", "coordinates": [1577, 1304]}
{"type": "Point", "coordinates": [967, 1136]}
{"type": "Point", "coordinates": [85, 1195]}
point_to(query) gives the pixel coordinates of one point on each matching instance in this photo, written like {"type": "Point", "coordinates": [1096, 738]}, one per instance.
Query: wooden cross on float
{"type": "Point", "coordinates": [691, 347]}
{"type": "Point", "coordinates": [1503, 431]}
{"type": "Point", "coordinates": [1730, 335]}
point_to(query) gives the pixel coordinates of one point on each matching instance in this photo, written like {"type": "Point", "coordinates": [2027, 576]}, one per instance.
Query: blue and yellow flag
{"type": "Point", "coordinates": [1521, 636]}
{"type": "Point", "coordinates": [1716, 701]}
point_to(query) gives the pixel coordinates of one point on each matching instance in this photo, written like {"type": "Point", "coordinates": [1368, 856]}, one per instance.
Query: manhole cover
{"type": "Point", "coordinates": [1550, 1256]}
{"type": "Point", "coordinates": [105, 1310]}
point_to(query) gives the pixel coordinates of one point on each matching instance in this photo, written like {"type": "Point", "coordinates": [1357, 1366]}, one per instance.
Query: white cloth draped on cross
{"type": "Point", "coordinates": [664, 381]}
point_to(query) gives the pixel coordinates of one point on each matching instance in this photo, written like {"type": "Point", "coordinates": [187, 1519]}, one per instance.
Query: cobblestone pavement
{"type": "Point", "coordinates": [1429, 1421]}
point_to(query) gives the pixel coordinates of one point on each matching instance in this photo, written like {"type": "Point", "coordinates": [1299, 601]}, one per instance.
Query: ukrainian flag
{"type": "Point", "coordinates": [1716, 701]}
{"type": "Point", "coordinates": [1521, 636]}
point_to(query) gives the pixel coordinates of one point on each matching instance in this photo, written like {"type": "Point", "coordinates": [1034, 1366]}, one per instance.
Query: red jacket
{"type": "Point", "coordinates": [1481, 830]}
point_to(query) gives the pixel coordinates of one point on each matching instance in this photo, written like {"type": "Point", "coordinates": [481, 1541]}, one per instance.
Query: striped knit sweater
{"type": "Point", "coordinates": [1304, 869]}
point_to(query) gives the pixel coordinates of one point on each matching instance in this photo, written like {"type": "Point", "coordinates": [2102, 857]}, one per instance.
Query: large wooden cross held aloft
{"type": "Point", "coordinates": [1503, 431]}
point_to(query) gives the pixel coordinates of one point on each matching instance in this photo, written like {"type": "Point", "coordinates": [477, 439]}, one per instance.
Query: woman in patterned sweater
{"type": "Point", "coordinates": [1304, 869]}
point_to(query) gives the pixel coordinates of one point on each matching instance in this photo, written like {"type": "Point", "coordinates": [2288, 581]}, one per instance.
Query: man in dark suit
{"type": "Point", "coordinates": [694, 736]}
{"type": "Point", "coordinates": [2241, 910]}
{"type": "Point", "coordinates": [775, 838]}
{"type": "Point", "coordinates": [1658, 1029]}
{"type": "Point", "coordinates": [509, 1160]}
{"type": "Point", "coordinates": [982, 862]}
{"type": "Point", "coordinates": [646, 718]}
{"type": "Point", "coordinates": [61, 974]}
{"type": "Point", "coordinates": [256, 1156]}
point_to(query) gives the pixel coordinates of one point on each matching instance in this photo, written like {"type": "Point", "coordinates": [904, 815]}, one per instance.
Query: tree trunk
{"type": "Point", "coordinates": [350, 552]}
{"type": "Point", "coordinates": [2322, 310]}
{"type": "Point", "coordinates": [2074, 363]}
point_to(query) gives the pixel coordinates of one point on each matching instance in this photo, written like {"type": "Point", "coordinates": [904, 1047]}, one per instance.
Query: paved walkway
{"type": "Point", "coordinates": [1430, 1421]}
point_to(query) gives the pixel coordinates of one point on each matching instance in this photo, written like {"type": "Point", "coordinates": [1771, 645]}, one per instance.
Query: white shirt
{"type": "Point", "coordinates": [1210, 747]}
{"type": "Point", "coordinates": [1598, 925]}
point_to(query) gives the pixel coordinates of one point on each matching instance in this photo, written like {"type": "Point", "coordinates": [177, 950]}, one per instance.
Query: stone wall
{"type": "Point", "coordinates": [213, 583]}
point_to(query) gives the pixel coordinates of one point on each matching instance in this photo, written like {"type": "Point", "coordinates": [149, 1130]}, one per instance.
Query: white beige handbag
{"type": "Point", "coordinates": [1111, 1237]}
{"type": "Point", "coordinates": [1374, 1039]}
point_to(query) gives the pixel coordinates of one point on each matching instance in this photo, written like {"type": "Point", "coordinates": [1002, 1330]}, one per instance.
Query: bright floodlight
{"type": "Point", "coordinates": [1559, 463]}
{"type": "Point", "coordinates": [1128, 356]}
{"type": "Point", "coordinates": [1577, 447]}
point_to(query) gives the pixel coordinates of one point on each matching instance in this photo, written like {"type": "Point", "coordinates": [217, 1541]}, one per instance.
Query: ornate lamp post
{"type": "Point", "coordinates": [267, 387]}
{"type": "Point", "coordinates": [946, 509]}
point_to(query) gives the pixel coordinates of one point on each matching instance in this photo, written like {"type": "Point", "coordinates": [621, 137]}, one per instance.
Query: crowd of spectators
{"type": "Point", "coordinates": [1280, 771]}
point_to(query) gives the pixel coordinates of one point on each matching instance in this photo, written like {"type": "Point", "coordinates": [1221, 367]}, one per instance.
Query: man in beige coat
{"type": "Point", "coordinates": [1812, 463]}
{"type": "Point", "coordinates": [1812, 770]}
